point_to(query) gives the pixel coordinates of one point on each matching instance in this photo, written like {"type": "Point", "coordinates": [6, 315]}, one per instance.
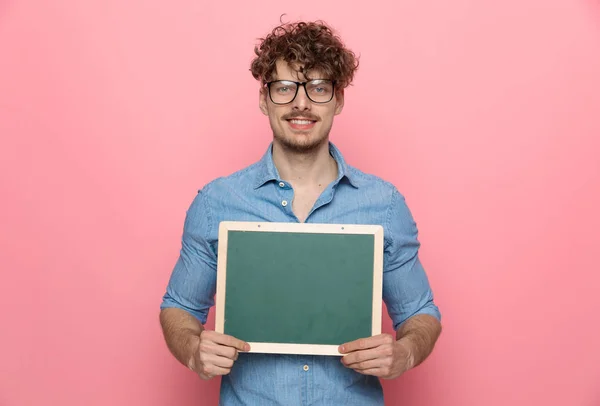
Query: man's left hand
{"type": "Point", "coordinates": [380, 355]}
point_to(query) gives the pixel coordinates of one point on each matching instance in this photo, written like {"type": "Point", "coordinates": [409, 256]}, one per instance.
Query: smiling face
{"type": "Point", "coordinates": [301, 125]}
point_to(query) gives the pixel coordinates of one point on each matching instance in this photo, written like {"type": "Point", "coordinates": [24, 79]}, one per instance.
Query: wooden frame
{"type": "Point", "coordinates": [284, 348]}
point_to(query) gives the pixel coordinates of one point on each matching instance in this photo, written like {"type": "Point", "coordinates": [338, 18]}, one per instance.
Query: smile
{"type": "Point", "coordinates": [301, 124]}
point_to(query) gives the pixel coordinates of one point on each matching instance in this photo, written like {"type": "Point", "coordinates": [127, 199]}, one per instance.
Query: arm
{"type": "Point", "coordinates": [388, 358]}
{"type": "Point", "coordinates": [418, 335]}
{"type": "Point", "coordinates": [181, 331]}
{"type": "Point", "coordinates": [409, 301]}
{"type": "Point", "coordinates": [189, 296]}
{"type": "Point", "coordinates": [205, 352]}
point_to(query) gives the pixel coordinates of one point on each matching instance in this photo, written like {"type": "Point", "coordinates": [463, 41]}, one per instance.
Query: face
{"type": "Point", "coordinates": [289, 121]}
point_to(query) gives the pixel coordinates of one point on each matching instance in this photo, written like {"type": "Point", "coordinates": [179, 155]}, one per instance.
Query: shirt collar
{"type": "Point", "coordinates": [268, 172]}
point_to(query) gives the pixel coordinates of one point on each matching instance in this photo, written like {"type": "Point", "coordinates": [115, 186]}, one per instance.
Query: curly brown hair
{"type": "Point", "coordinates": [305, 46]}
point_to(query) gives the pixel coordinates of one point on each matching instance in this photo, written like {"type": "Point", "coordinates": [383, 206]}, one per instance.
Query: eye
{"type": "Point", "coordinates": [283, 87]}
{"type": "Point", "coordinates": [320, 87]}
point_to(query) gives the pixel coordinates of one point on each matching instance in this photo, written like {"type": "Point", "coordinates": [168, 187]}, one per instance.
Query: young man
{"type": "Point", "coordinates": [303, 69]}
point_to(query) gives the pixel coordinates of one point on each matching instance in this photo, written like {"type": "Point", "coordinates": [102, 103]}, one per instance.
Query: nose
{"type": "Point", "coordinates": [301, 102]}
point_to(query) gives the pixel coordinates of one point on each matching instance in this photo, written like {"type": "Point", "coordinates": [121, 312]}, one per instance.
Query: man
{"type": "Point", "coordinates": [304, 69]}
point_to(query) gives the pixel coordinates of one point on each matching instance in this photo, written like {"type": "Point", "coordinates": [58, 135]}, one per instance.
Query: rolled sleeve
{"type": "Point", "coordinates": [192, 283]}
{"type": "Point", "coordinates": [406, 289]}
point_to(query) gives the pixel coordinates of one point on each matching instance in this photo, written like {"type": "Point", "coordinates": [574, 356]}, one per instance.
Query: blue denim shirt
{"type": "Point", "coordinates": [257, 193]}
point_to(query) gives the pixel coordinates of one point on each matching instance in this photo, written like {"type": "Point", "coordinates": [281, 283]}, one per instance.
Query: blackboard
{"type": "Point", "coordinates": [299, 288]}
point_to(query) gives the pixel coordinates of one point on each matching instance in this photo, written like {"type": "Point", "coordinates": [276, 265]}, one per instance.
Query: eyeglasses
{"type": "Point", "coordinates": [285, 91]}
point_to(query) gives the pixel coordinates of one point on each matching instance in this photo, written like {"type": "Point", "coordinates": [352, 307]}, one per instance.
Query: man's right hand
{"type": "Point", "coordinates": [214, 353]}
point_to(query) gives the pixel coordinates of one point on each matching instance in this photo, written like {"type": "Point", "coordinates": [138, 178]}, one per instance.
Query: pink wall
{"type": "Point", "coordinates": [485, 114]}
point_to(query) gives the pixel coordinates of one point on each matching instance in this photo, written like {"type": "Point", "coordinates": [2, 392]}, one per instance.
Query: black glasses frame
{"type": "Point", "coordinates": [298, 85]}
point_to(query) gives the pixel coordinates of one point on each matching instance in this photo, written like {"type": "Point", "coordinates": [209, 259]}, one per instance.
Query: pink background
{"type": "Point", "coordinates": [485, 114]}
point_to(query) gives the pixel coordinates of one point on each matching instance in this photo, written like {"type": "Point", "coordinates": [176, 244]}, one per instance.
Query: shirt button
{"type": "Point", "coordinates": [281, 184]}
{"type": "Point", "coordinates": [305, 367]}
{"type": "Point", "coordinates": [284, 203]}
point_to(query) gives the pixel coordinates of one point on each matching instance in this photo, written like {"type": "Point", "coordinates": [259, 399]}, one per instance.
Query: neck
{"type": "Point", "coordinates": [315, 167]}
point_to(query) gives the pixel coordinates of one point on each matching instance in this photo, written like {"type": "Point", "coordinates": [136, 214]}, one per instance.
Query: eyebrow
{"type": "Point", "coordinates": [301, 81]}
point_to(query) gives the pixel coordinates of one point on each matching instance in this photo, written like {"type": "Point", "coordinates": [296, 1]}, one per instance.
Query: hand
{"type": "Point", "coordinates": [380, 355]}
{"type": "Point", "coordinates": [214, 353]}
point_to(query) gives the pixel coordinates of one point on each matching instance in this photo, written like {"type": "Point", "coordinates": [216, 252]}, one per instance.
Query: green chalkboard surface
{"type": "Point", "coordinates": [299, 288]}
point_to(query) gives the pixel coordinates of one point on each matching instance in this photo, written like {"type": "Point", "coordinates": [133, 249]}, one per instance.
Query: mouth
{"type": "Point", "coordinates": [301, 124]}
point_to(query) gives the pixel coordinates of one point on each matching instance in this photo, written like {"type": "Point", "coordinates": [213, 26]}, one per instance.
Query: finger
{"type": "Point", "coordinates": [365, 365]}
{"type": "Point", "coordinates": [363, 343]}
{"type": "Point", "coordinates": [227, 340]}
{"type": "Point", "coordinates": [218, 349]}
{"type": "Point", "coordinates": [372, 371]}
{"type": "Point", "coordinates": [213, 370]}
{"type": "Point", "coordinates": [209, 360]}
{"type": "Point", "coordinates": [362, 356]}
{"type": "Point", "coordinates": [366, 343]}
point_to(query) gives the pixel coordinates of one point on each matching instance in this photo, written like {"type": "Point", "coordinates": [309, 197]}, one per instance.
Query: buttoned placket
{"type": "Point", "coordinates": [306, 371]}
{"type": "Point", "coordinates": [287, 196]}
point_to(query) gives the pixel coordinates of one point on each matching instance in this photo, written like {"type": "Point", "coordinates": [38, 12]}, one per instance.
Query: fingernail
{"type": "Point", "coordinates": [341, 348]}
{"type": "Point", "coordinates": [247, 347]}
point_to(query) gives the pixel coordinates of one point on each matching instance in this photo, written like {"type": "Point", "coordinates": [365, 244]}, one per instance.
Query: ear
{"type": "Point", "coordinates": [262, 101]}
{"type": "Point", "coordinates": [339, 101]}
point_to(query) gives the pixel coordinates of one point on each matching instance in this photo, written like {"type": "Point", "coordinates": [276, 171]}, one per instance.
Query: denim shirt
{"type": "Point", "coordinates": [257, 193]}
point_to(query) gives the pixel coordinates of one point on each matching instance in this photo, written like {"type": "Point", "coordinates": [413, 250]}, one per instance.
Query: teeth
{"type": "Point", "coordinates": [301, 122]}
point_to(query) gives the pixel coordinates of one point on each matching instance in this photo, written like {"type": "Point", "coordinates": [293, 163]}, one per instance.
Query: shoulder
{"type": "Point", "coordinates": [240, 180]}
{"type": "Point", "coordinates": [397, 217]}
{"type": "Point", "coordinates": [374, 184]}
{"type": "Point", "coordinates": [216, 192]}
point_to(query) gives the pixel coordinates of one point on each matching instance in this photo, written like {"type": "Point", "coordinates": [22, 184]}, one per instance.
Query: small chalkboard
{"type": "Point", "coordinates": [299, 288]}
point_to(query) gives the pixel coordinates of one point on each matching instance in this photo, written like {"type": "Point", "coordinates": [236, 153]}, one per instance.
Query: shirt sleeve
{"type": "Point", "coordinates": [406, 289]}
{"type": "Point", "coordinates": [193, 280]}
